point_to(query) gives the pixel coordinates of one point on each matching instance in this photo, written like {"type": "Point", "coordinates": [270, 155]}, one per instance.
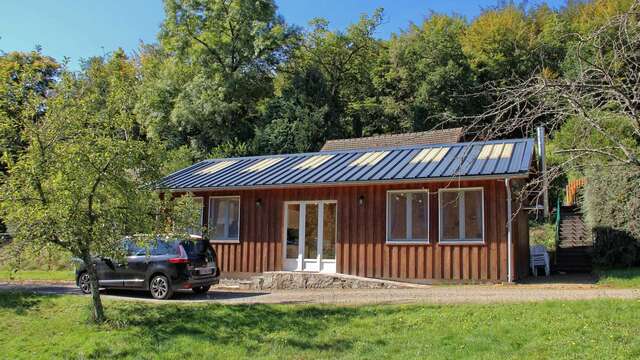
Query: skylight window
{"type": "Point", "coordinates": [370, 158]}
{"type": "Point", "coordinates": [508, 150]}
{"type": "Point", "coordinates": [428, 155]}
{"type": "Point", "coordinates": [313, 162]}
{"type": "Point", "coordinates": [263, 164]}
{"type": "Point", "coordinates": [496, 151]}
{"type": "Point", "coordinates": [216, 167]}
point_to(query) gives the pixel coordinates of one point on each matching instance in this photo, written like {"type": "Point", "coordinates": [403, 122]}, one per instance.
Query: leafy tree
{"type": "Point", "coordinates": [84, 179]}
{"type": "Point", "coordinates": [215, 64]}
{"type": "Point", "coordinates": [507, 44]}
{"type": "Point", "coordinates": [596, 108]}
{"type": "Point", "coordinates": [428, 73]}
{"type": "Point", "coordinates": [27, 81]}
{"type": "Point", "coordinates": [343, 63]}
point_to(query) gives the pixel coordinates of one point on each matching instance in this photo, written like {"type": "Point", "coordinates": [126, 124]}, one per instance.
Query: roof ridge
{"type": "Point", "coordinates": [397, 134]}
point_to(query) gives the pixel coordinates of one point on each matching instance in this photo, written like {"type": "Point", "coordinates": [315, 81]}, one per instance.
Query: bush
{"type": "Point", "coordinates": [612, 199]}
{"type": "Point", "coordinates": [615, 248]}
{"type": "Point", "coordinates": [611, 202]}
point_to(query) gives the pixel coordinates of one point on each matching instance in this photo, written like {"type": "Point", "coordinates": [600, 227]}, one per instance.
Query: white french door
{"type": "Point", "coordinates": [310, 236]}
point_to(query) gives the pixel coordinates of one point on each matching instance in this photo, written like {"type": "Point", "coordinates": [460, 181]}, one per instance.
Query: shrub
{"type": "Point", "coordinates": [615, 248]}
{"type": "Point", "coordinates": [611, 203]}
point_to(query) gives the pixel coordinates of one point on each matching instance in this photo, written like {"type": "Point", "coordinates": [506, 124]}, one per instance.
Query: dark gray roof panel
{"type": "Point", "coordinates": [487, 158]}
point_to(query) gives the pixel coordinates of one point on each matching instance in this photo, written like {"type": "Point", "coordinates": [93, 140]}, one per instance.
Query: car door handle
{"type": "Point", "coordinates": [120, 265]}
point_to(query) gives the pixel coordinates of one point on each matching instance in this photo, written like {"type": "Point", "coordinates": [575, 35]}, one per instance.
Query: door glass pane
{"type": "Point", "coordinates": [311, 232]}
{"type": "Point", "coordinates": [329, 231]}
{"type": "Point", "coordinates": [293, 230]}
{"type": "Point", "coordinates": [473, 215]}
{"type": "Point", "coordinates": [450, 215]}
{"type": "Point", "coordinates": [397, 216]}
{"type": "Point", "coordinates": [419, 215]}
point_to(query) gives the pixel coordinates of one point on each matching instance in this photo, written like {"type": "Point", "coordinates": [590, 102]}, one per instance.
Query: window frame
{"type": "Point", "coordinates": [461, 212]}
{"type": "Point", "coordinates": [226, 240]}
{"type": "Point", "coordinates": [408, 220]}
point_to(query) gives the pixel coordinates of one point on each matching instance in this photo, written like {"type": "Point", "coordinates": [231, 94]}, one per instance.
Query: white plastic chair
{"type": "Point", "coordinates": [539, 257]}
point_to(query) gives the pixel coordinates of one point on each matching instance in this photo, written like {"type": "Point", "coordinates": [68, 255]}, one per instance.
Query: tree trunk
{"type": "Point", "coordinates": [97, 311]}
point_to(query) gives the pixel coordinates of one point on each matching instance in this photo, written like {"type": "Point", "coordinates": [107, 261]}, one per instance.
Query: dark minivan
{"type": "Point", "coordinates": [162, 267]}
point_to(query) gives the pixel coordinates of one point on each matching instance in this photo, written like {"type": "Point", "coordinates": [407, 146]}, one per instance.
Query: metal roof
{"type": "Point", "coordinates": [497, 158]}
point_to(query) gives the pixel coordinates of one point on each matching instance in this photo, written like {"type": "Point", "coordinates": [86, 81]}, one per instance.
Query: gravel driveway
{"type": "Point", "coordinates": [481, 294]}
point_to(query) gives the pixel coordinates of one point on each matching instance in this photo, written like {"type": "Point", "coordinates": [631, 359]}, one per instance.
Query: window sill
{"type": "Point", "coordinates": [461, 242]}
{"type": "Point", "coordinates": [225, 241]}
{"type": "Point", "coordinates": [407, 242]}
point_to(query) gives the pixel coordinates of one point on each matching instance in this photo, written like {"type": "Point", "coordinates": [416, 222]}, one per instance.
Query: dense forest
{"type": "Point", "coordinates": [234, 78]}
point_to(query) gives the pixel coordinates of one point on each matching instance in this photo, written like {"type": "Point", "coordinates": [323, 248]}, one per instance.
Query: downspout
{"type": "Point", "coordinates": [509, 231]}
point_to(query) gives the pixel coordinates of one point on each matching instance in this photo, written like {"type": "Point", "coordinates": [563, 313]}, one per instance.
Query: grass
{"type": "Point", "coordinates": [620, 278]}
{"type": "Point", "coordinates": [39, 326]}
{"type": "Point", "coordinates": [44, 275]}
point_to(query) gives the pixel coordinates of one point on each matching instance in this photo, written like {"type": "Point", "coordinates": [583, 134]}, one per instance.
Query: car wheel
{"type": "Point", "coordinates": [84, 282]}
{"type": "Point", "coordinates": [160, 288]}
{"type": "Point", "coordinates": [201, 289]}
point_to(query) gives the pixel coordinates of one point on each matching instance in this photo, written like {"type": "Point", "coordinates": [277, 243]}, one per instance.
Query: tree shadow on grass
{"type": "Point", "coordinates": [299, 328]}
{"type": "Point", "coordinates": [21, 302]}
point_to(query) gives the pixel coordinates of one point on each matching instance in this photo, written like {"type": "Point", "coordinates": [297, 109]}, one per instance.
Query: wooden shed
{"type": "Point", "coordinates": [427, 213]}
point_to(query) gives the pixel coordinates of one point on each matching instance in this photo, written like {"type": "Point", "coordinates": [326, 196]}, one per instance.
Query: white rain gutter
{"type": "Point", "coordinates": [509, 231]}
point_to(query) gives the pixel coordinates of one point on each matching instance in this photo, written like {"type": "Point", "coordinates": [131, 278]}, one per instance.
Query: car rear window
{"type": "Point", "coordinates": [195, 248]}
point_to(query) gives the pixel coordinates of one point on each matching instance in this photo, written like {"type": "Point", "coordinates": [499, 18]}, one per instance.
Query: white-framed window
{"type": "Point", "coordinates": [197, 230]}
{"type": "Point", "coordinates": [224, 218]}
{"type": "Point", "coordinates": [461, 214]}
{"type": "Point", "coordinates": [408, 216]}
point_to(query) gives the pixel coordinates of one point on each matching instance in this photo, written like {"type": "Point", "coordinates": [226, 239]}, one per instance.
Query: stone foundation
{"type": "Point", "coordinates": [306, 280]}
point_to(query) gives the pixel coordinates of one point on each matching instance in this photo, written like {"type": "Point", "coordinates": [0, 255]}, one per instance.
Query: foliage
{"type": "Point", "coordinates": [542, 234]}
{"type": "Point", "coordinates": [612, 199]}
{"type": "Point", "coordinates": [231, 78]}
{"type": "Point", "coordinates": [428, 73]}
{"type": "Point", "coordinates": [507, 43]}
{"type": "Point", "coordinates": [554, 329]}
{"type": "Point", "coordinates": [612, 207]}
{"type": "Point", "coordinates": [27, 81]}
{"type": "Point", "coordinates": [84, 179]}
{"type": "Point", "coordinates": [332, 70]}
{"type": "Point", "coordinates": [214, 65]}
{"type": "Point", "coordinates": [615, 248]}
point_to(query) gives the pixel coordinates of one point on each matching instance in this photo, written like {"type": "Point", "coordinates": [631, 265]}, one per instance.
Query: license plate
{"type": "Point", "coordinates": [205, 271]}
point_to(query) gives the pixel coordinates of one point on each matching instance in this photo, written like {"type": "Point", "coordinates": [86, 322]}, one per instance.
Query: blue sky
{"type": "Point", "coordinates": [81, 28]}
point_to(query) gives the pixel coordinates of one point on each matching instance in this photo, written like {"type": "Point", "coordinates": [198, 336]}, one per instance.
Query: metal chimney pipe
{"type": "Point", "coordinates": [543, 171]}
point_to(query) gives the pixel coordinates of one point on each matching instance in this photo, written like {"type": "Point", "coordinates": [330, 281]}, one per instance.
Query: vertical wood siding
{"type": "Point", "coordinates": [361, 249]}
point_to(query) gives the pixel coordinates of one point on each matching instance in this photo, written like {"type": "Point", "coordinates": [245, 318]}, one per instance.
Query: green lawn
{"type": "Point", "coordinates": [51, 275]}
{"type": "Point", "coordinates": [37, 326]}
{"type": "Point", "coordinates": [621, 278]}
